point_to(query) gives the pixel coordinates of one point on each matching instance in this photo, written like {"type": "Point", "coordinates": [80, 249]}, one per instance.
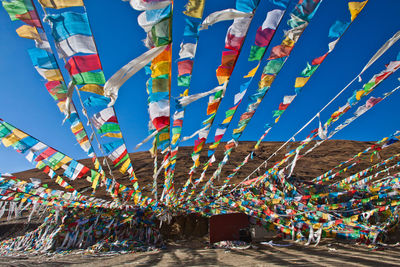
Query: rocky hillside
{"type": "Point", "coordinates": [328, 155]}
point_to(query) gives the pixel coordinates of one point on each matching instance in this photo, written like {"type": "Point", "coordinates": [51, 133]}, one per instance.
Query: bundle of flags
{"type": "Point", "coordinates": [235, 36]}
{"type": "Point", "coordinates": [194, 13]}
{"type": "Point", "coordinates": [75, 43]}
{"type": "Point", "coordinates": [46, 64]}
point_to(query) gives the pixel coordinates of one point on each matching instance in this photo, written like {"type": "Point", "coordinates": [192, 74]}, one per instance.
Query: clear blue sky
{"type": "Point", "coordinates": [25, 103]}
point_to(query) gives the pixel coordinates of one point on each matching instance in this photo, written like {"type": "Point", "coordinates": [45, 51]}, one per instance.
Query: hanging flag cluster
{"type": "Point", "coordinates": [66, 228]}
{"type": "Point", "coordinates": [298, 22]}
{"type": "Point", "coordinates": [299, 19]}
{"type": "Point", "coordinates": [75, 44]}
{"type": "Point", "coordinates": [50, 161]}
{"type": "Point", "coordinates": [45, 63]}
{"type": "Point", "coordinates": [194, 13]}
{"type": "Point", "coordinates": [352, 101]}
{"type": "Point", "coordinates": [378, 146]}
{"type": "Point", "coordinates": [343, 202]}
{"type": "Point", "coordinates": [156, 21]}
{"type": "Point", "coordinates": [263, 37]}
{"type": "Point", "coordinates": [234, 40]}
{"type": "Point", "coordinates": [299, 84]}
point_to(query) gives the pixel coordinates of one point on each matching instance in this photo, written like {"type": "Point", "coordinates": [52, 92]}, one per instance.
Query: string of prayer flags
{"type": "Point", "coordinates": [271, 69]}
{"type": "Point", "coordinates": [194, 12]}
{"type": "Point", "coordinates": [287, 100]}
{"type": "Point", "coordinates": [156, 21]}
{"type": "Point", "coordinates": [383, 143]}
{"type": "Point", "coordinates": [86, 70]}
{"type": "Point", "coordinates": [233, 42]}
{"type": "Point", "coordinates": [275, 62]}
{"type": "Point", "coordinates": [267, 31]}
{"type": "Point", "coordinates": [45, 63]}
{"type": "Point", "coordinates": [356, 97]}
{"type": "Point", "coordinates": [72, 34]}
{"type": "Point", "coordinates": [387, 141]}
{"type": "Point", "coordinates": [355, 177]}
{"type": "Point", "coordinates": [22, 10]}
{"type": "Point", "coordinates": [48, 158]}
{"type": "Point", "coordinates": [234, 39]}
{"type": "Point", "coordinates": [367, 89]}
{"type": "Point", "coordinates": [53, 159]}
{"type": "Point", "coordinates": [270, 23]}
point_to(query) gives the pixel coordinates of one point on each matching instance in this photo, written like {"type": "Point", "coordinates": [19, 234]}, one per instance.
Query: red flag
{"type": "Point", "coordinates": [318, 60]}
{"type": "Point", "coordinates": [79, 64]}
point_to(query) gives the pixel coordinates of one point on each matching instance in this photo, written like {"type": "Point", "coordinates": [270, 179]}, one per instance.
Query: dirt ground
{"type": "Point", "coordinates": [194, 253]}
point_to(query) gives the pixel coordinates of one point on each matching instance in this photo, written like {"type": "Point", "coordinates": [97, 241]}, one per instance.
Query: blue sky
{"type": "Point", "coordinates": [26, 104]}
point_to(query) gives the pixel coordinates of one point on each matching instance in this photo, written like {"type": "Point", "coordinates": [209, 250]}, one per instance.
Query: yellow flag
{"type": "Point", "coordinates": [19, 134]}
{"type": "Point", "coordinates": [57, 4]}
{"type": "Point", "coordinates": [116, 135]}
{"type": "Point", "coordinates": [53, 75]}
{"type": "Point", "coordinates": [125, 166]}
{"type": "Point", "coordinates": [95, 181]}
{"type": "Point", "coordinates": [77, 128]}
{"type": "Point", "coordinates": [153, 149]}
{"type": "Point", "coordinates": [163, 137]}
{"type": "Point", "coordinates": [136, 198]}
{"type": "Point", "coordinates": [197, 162]}
{"type": "Point", "coordinates": [252, 72]}
{"type": "Point", "coordinates": [213, 146]}
{"type": "Point", "coordinates": [288, 42]}
{"type": "Point", "coordinates": [355, 8]}
{"type": "Point", "coordinates": [194, 8]}
{"type": "Point", "coordinates": [61, 106]}
{"type": "Point", "coordinates": [359, 94]}
{"type": "Point", "coordinates": [63, 161]}
{"type": "Point", "coordinates": [28, 32]}
{"type": "Point", "coordinates": [160, 68]}
{"type": "Point", "coordinates": [227, 120]}
{"type": "Point", "coordinates": [239, 130]}
{"type": "Point", "coordinates": [266, 81]}
{"type": "Point", "coordinates": [96, 164]}
{"type": "Point", "coordinates": [175, 138]}
{"type": "Point", "coordinates": [185, 93]}
{"type": "Point", "coordinates": [93, 88]}
{"type": "Point", "coordinates": [121, 188]}
{"type": "Point", "coordinates": [9, 140]}
{"type": "Point", "coordinates": [222, 79]}
{"type": "Point", "coordinates": [301, 81]}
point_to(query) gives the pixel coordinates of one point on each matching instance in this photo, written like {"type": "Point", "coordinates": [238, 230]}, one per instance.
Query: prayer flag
{"type": "Point", "coordinates": [194, 8]}
{"type": "Point", "coordinates": [76, 44]}
{"type": "Point", "coordinates": [67, 24]}
{"type": "Point", "coordinates": [79, 64]}
{"type": "Point", "coordinates": [29, 32]}
{"type": "Point", "coordinates": [185, 67]}
{"type": "Point", "coordinates": [89, 78]}
{"type": "Point", "coordinates": [57, 4]}
{"type": "Point", "coordinates": [355, 8]}
{"type": "Point", "coordinates": [256, 53]}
